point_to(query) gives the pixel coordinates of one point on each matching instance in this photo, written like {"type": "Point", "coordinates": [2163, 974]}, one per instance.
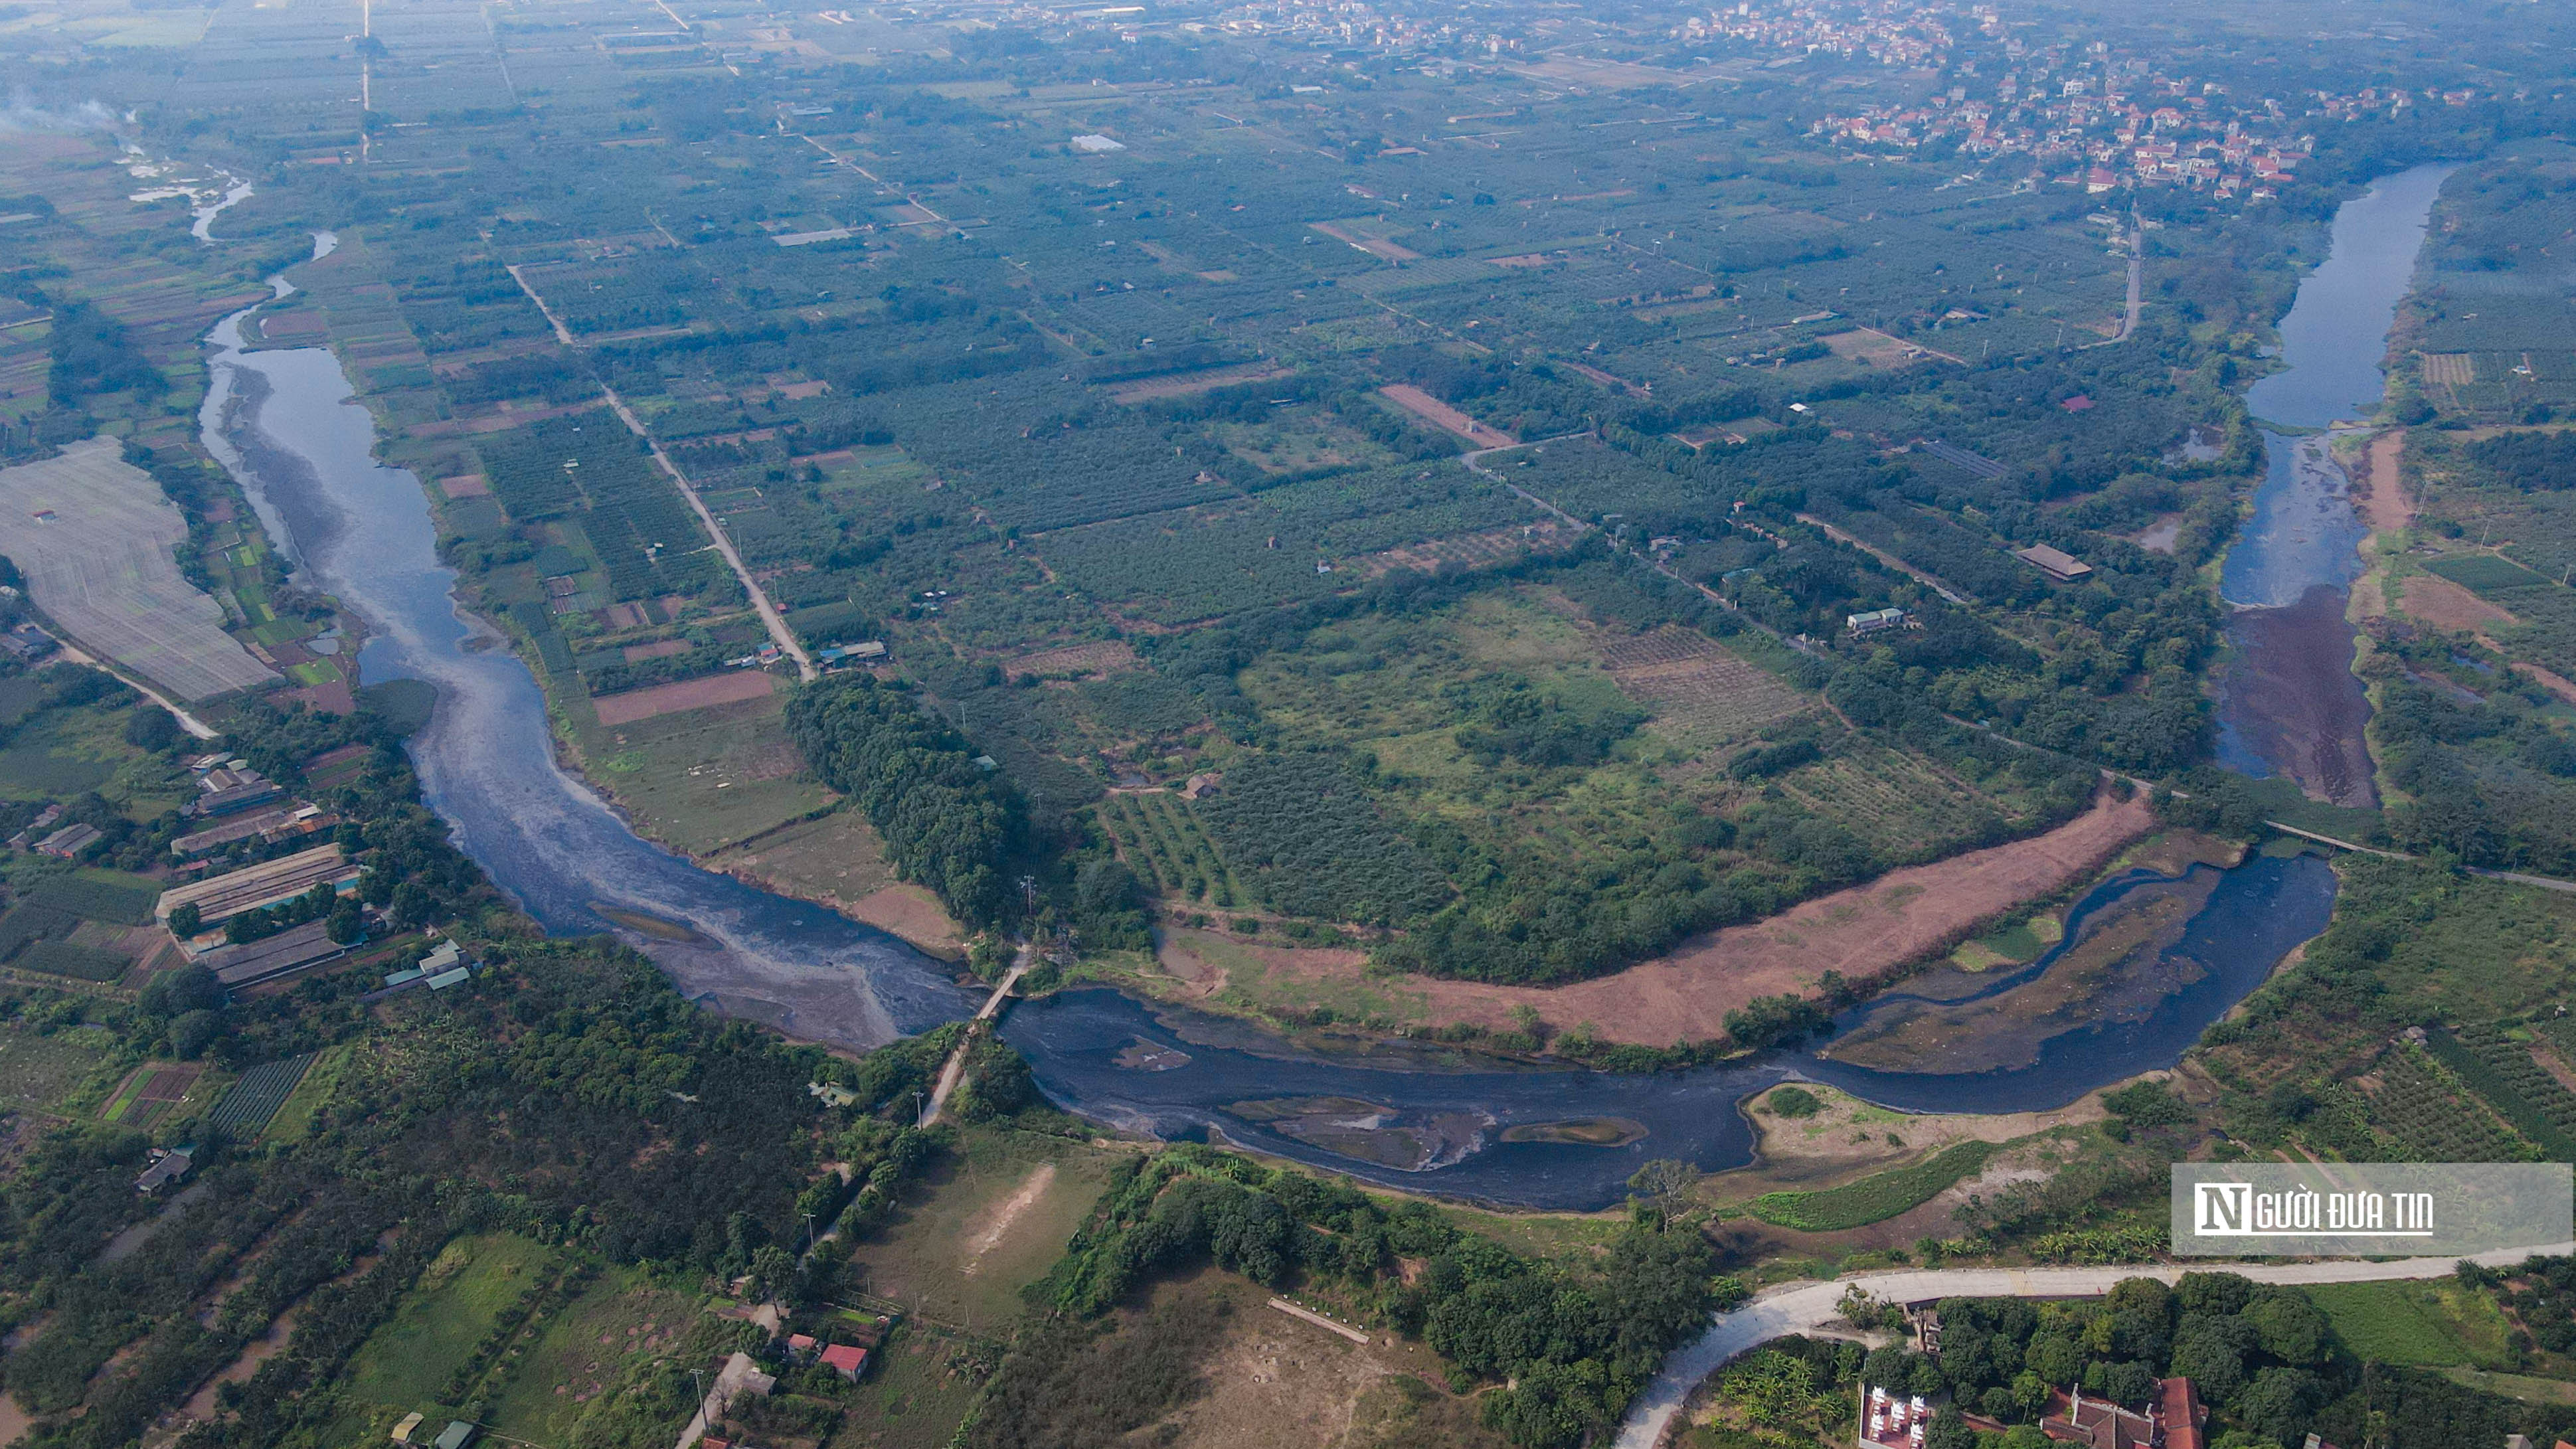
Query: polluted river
{"type": "Point", "coordinates": [285, 422]}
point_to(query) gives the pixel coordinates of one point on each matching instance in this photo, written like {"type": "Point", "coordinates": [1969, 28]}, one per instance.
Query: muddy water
{"type": "Point", "coordinates": [285, 423]}
{"type": "Point", "coordinates": [2288, 702]}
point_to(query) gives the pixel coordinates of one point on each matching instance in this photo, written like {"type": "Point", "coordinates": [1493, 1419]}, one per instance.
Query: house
{"type": "Point", "coordinates": [1874, 621]}
{"type": "Point", "coordinates": [228, 789]}
{"type": "Point", "coordinates": [2171, 1420]}
{"type": "Point", "coordinates": [2080, 403]}
{"type": "Point", "coordinates": [846, 1360]}
{"type": "Point", "coordinates": [2057, 564]}
{"type": "Point", "coordinates": [1202, 786]}
{"type": "Point", "coordinates": [800, 1347]}
{"type": "Point", "coordinates": [28, 643]}
{"type": "Point", "coordinates": [168, 1166]}
{"type": "Point", "coordinates": [68, 842]}
{"type": "Point", "coordinates": [456, 1435]}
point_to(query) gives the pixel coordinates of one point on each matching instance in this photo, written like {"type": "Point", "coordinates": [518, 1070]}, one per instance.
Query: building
{"type": "Point", "coordinates": [167, 1167]}
{"type": "Point", "coordinates": [2057, 564]}
{"type": "Point", "coordinates": [283, 822]}
{"type": "Point", "coordinates": [293, 949]}
{"type": "Point", "coordinates": [847, 1360]}
{"type": "Point", "coordinates": [2172, 1419]}
{"type": "Point", "coordinates": [68, 842]}
{"type": "Point", "coordinates": [230, 789]}
{"type": "Point", "coordinates": [456, 1435]}
{"type": "Point", "coordinates": [1875, 621]}
{"type": "Point", "coordinates": [409, 1426]}
{"type": "Point", "coordinates": [29, 643]}
{"type": "Point", "coordinates": [271, 882]}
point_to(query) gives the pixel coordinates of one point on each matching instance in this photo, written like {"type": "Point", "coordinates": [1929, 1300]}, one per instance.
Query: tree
{"type": "Point", "coordinates": [347, 924]}
{"type": "Point", "coordinates": [149, 727]}
{"type": "Point", "coordinates": [186, 920]}
{"type": "Point", "coordinates": [189, 988]}
{"type": "Point", "coordinates": [193, 1032]}
{"type": "Point", "coordinates": [412, 906]}
{"type": "Point", "coordinates": [2288, 1326]}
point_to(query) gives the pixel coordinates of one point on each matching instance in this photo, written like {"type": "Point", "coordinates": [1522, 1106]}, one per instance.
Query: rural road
{"type": "Point", "coordinates": [955, 1071]}
{"type": "Point", "coordinates": [1801, 1307]}
{"type": "Point", "coordinates": [770, 618]}
{"type": "Point", "coordinates": [2137, 288]}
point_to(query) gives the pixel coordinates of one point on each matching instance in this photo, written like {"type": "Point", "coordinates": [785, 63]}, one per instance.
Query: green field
{"type": "Point", "coordinates": [2434, 1324]}
{"type": "Point", "coordinates": [406, 1363]}
{"type": "Point", "coordinates": [703, 779]}
{"type": "Point", "coordinates": [1872, 1199]}
{"type": "Point", "coordinates": [915, 1394]}
{"type": "Point", "coordinates": [989, 1219]}
{"type": "Point", "coordinates": [619, 1320]}
{"type": "Point", "coordinates": [45, 1072]}
{"type": "Point", "coordinates": [2485, 574]}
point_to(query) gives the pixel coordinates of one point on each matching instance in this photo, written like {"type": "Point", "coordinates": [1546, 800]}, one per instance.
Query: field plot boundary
{"type": "Point", "coordinates": [94, 537]}
{"type": "Point", "coordinates": [702, 692]}
{"type": "Point", "coordinates": [254, 1101]}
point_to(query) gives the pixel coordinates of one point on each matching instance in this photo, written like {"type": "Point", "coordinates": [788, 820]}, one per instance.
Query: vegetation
{"type": "Point", "coordinates": [1872, 1199]}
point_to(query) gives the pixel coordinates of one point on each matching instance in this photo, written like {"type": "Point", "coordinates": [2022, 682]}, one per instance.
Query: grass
{"type": "Point", "coordinates": [2435, 1324]}
{"type": "Point", "coordinates": [1873, 1199]}
{"type": "Point", "coordinates": [79, 963]}
{"type": "Point", "coordinates": [584, 1351]}
{"type": "Point", "coordinates": [406, 1363]}
{"type": "Point", "coordinates": [294, 1119]}
{"type": "Point", "coordinates": [41, 1073]}
{"type": "Point", "coordinates": [100, 895]}
{"type": "Point", "coordinates": [703, 779]}
{"type": "Point", "coordinates": [912, 1399]}
{"type": "Point", "coordinates": [2485, 574]}
{"type": "Point", "coordinates": [964, 1242]}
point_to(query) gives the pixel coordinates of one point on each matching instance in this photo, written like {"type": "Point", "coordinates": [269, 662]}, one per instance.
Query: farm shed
{"type": "Point", "coordinates": [2064, 567]}
{"type": "Point", "coordinates": [269, 883]}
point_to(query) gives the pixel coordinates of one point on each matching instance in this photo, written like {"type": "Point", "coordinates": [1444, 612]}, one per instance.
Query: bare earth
{"type": "Point", "coordinates": [1860, 932]}
{"type": "Point", "coordinates": [2445, 605]}
{"type": "Point", "coordinates": [2384, 502]}
{"type": "Point", "coordinates": [998, 1221]}
{"type": "Point", "coordinates": [1432, 410]}
{"type": "Point", "coordinates": [726, 688]}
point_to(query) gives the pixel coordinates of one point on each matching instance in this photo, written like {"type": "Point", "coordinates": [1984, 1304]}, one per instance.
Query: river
{"type": "Point", "coordinates": [2289, 704]}
{"type": "Point", "coordinates": [285, 423]}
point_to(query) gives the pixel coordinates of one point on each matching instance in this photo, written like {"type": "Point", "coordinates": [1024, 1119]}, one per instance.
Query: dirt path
{"type": "Point", "coordinates": [1005, 1214]}
{"type": "Point", "coordinates": [1860, 932]}
{"type": "Point", "coordinates": [1432, 410]}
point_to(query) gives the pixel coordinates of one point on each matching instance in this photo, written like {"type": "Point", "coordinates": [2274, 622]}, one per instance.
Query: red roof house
{"type": "Point", "coordinates": [845, 1359]}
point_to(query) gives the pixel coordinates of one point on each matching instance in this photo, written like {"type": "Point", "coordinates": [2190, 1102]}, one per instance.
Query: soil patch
{"type": "Point", "coordinates": [1432, 410]}
{"type": "Point", "coordinates": [998, 1221]}
{"type": "Point", "coordinates": [1377, 247]}
{"type": "Point", "coordinates": [1100, 656]}
{"type": "Point", "coordinates": [1185, 383]}
{"type": "Point", "coordinates": [731, 687]}
{"type": "Point", "coordinates": [2382, 494]}
{"type": "Point", "coordinates": [1861, 932]}
{"type": "Point", "coordinates": [2445, 605]}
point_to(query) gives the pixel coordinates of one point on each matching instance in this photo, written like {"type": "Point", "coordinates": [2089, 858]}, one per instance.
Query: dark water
{"type": "Point", "coordinates": [284, 421]}
{"type": "Point", "coordinates": [2288, 703]}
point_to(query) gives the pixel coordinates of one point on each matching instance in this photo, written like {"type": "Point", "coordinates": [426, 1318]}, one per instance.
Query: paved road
{"type": "Point", "coordinates": [2137, 288]}
{"type": "Point", "coordinates": [1802, 1307]}
{"type": "Point", "coordinates": [770, 618]}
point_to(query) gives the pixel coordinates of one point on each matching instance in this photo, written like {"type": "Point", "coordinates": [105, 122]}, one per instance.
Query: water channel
{"type": "Point", "coordinates": [285, 422]}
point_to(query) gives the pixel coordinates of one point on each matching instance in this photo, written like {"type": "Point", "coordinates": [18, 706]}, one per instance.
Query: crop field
{"type": "Point", "coordinates": [582, 1351]}
{"type": "Point", "coordinates": [96, 537]}
{"type": "Point", "coordinates": [1900, 804]}
{"type": "Point", "coordinates": [407, 1363]}
{"type": "Point", "coordinates": [38, 1073]}
{"type": "Point", "coordinates": [1161, 838]}
{"type": "Point", "coordinates": [702, 779]}
{"type": "Point", "coordinates": [1702, 696]}
{"type": "Point", "coordinates": [255, 1098]}
{"type": "Point", "coordinates": [918, 1392]}
{"type": "Point", "coordinates": [154, 1089]}
{"type": "Point", "coordinates": [2488, 574]}
{"type": "Point", "coordinates": [2423, 1112]}
{"type": "Point", "coordinates": [2431, 1325]}
{"type": "Point", "coordinates": [735, 687]}
{"type": "Point", "coordinates": [1875, 1198]}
